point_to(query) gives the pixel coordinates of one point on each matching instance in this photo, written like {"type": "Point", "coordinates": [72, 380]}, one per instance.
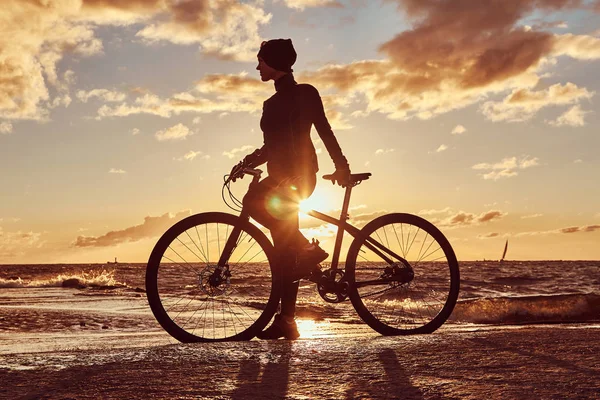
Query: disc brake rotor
{"type": "Point", "coordinates": [214, 281]}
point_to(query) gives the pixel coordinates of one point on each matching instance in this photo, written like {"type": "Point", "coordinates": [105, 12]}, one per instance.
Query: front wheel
{"type": "Point", "coordinates": [403, 275]}
{"type": "Point", "coordinates": [198, 295]}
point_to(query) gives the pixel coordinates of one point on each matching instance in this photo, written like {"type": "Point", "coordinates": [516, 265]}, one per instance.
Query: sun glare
{"type": "Point", "coordinates": [310, 329]}
{"type": "Point", "coordinates": [319, 201]}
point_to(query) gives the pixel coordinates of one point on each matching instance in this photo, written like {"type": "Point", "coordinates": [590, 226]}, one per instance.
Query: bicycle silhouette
{"type": "Point", "coordinates": [211, 276]}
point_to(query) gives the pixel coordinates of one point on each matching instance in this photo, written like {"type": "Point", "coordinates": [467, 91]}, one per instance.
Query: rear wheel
{"type": "Point", "coordinates": [412, 293]}
{"type": "Point", "coordinates": [193, 299]}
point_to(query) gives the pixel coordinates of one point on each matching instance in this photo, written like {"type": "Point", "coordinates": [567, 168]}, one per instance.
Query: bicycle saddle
{"type": "Point", "coordinates": [354, 178]}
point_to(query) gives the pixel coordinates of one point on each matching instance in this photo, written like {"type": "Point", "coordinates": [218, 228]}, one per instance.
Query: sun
{"type": "Point", "coordinates": [321, 200]}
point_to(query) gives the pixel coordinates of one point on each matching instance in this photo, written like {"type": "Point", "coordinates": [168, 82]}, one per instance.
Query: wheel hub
{"type": "Point", "coordinates": [214, 280]}
{"type": "Point", "coordinates": [400, 273]}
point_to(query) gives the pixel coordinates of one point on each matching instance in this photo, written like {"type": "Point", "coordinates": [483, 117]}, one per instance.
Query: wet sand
{"type": "Point", "coordinates": [337, 362]}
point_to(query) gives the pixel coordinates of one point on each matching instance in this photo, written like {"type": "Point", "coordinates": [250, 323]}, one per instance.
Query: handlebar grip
{"type": "Point", "coordinates": [329, 177]}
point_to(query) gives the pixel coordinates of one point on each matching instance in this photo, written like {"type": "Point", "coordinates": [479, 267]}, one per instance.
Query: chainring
{"type": "Point", "coordinates": [332, 286]}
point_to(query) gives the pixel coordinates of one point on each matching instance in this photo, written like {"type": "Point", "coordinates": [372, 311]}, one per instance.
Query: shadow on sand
{"type": "Point", "coordinates": [272, 380]}
{"type": "Point", "coordinates": [273, 383]}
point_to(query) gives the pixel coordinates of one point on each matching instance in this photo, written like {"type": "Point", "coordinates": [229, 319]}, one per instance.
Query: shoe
{"type": "Point", "coordinates": [280, 329]}
{"type": "Point", "coordinates": [307, 261]}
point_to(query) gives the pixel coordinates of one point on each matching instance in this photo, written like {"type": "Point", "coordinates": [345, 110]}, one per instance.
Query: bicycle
{"type": "Point", "coordinates": [211, 277]}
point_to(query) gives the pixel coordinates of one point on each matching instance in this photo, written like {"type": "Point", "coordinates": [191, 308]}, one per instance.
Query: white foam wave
{"type": "Point", "coordinates": [103, 278]}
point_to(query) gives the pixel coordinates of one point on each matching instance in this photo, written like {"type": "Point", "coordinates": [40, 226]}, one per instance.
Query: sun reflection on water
{"type": "Point", "coordinates": [312, 329]}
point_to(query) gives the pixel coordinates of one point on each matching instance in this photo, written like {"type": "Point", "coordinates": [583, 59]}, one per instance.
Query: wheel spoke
{"type": "Point", "coordinates": [401, 303]}
{"type": "Point", "coordinates": [192, 301]}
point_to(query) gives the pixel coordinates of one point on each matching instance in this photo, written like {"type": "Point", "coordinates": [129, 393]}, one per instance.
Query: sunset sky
{"type": "Point", "coordinates": [118, 118]}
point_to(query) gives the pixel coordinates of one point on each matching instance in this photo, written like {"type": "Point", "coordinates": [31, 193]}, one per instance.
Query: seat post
{"type": "Point", "coordinates": [340, 232]}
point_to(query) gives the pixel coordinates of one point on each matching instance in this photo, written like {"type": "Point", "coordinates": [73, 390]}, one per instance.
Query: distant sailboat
{"type": "Point", "coordinates": [504, 252]}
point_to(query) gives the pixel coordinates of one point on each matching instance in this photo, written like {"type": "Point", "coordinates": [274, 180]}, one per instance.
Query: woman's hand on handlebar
{"type": "Point", "coordinates": [237, 172]}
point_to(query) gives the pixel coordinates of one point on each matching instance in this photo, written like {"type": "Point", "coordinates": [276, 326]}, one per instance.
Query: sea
{"type": "Point", "coordinates": [76, 297]}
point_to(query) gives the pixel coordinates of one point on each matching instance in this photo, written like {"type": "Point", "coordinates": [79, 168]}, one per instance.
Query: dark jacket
{"type": "Point", "coordinates": [286, 122]}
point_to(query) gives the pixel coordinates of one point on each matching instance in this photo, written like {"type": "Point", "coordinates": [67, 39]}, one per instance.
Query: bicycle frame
{"type": "Point", "coordinates": [341, 223]}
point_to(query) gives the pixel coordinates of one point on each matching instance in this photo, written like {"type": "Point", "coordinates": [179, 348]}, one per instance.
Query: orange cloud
{"type": "Point", "coordinates": [456, 54]}
{"type": "Point", "coordinates": [574, 116]}
{"type": "Point", "coordinates": [33, 39]}
{"type": "Point", "coordinates": [30, 83]}
{"type": "Point", "coordinates": [227, 29]}
{"type": "Point", "coordinates": [568, 230]}
{"type": "Point", "coordinates": [573, 229]}
{"type": "Point", "coordinates": [302, 4]}
{"type": "Point", "coordinates": [489, 235]}
{"type": "Point", "coordinates": [523, 103]}
{"type": "Point", "coordinates": [214, 93]}
{"type": "Point", "coordinates": [506, 168]}
{"type": "Point", "coordinates": [13, 244]}
{"type": "Point", "coordinates": [152, 227]}
{"type": "Point", "coordinates": [462, 218]}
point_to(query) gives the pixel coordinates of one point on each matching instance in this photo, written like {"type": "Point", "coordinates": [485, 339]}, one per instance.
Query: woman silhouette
{"type": "Point", "coordinates": [291, 160]}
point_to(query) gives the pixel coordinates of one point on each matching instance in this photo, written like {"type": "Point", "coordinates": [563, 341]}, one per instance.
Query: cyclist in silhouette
{"type": "Point", "coordinates": [291, 160]}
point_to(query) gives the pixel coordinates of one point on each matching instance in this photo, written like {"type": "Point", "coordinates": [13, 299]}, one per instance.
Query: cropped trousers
{"type": "Point", "coordinates": [274, 204]}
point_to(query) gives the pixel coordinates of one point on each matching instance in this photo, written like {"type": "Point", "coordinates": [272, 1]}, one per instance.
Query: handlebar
{"type": "Point", "coordinates": [255, 172]}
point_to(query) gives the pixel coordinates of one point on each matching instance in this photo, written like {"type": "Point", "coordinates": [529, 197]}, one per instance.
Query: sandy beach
{"type": "Point", "coordinates": [542, 362]}
{"type": "Point", "coordinates": [511, 336]}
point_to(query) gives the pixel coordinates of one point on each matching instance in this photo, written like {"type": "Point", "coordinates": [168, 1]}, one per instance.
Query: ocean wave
{"type": "Point", "coordinates": [529, 309]}
{"type": "Point", "coordinates": [83, 279]}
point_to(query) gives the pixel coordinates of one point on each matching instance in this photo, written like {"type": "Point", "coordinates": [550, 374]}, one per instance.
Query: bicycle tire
{"type": "Point", "coordinates": [419, 306]}
{"type": "Point", "coordinates": [178, 287]}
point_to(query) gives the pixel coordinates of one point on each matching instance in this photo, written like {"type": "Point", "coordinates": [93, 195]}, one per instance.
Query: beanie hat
{"type": "Point", "coordinates": [278, 54]}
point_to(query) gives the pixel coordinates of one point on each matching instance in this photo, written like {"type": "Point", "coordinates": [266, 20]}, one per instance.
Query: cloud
{"type": "Point", "coordinates": [489, 235]}
{"type": "Point", "coordinates": [462, 218]}
{"type": "Point", "coordinates": [302, 4]}
{"type": "Point", "coordinates": [384, 151]}
{"type": "Point", "coordinates": [434, 211]}
{"type": "Point", "coordinates": [522, 104]}
{"type": "Point", "coordinates": [135, 131]}
{"type": "Point", "coordinates": [221, 93]}
{"type": "Point", "coordinates": [458, 130]}
{"type": "Point", "coordinates": [5, 128]}
{"type": "Point", "coordinates": [116, 171]}
{"type": "Point", "coordinates": [190, 155]}
{"type": "Point", "coordinates": [213, 93]}
{"type": "Point", "coordinates": [573, 229]}
{"type": "Point", "coordinates": [567, 230]}
{"type": "Point", "coordinates": [442, 147]}
{"type": "Point", "coordinates": [176, 132]}
{"type": "Point", "coordinates": [506, 168]}
{"type": "Point", "coordinates": [360, 220]}
{"type": "Point", "coordinates": [490, 216]}
{"type": "Point", "coordinates": [15, 244]}
{"type": "Point", "coordinates": [233, 152]}
{"type": "Point", "coordinates": [104, 94]}
{"type": "Point", "coordinates": [152, 227]}
{"type": "Point", "coordinates": [226, 29]}
{"type": "Point", "coordinates": [36, 35]}
{"type": "Point", "coordinates": [581, 47]}
{"type": "Point", "coordinates": [531, 216]}
{"type": "Point", "coordinates": [456, 54]}
{"type": "Point", "coordinates": [571, 117]}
